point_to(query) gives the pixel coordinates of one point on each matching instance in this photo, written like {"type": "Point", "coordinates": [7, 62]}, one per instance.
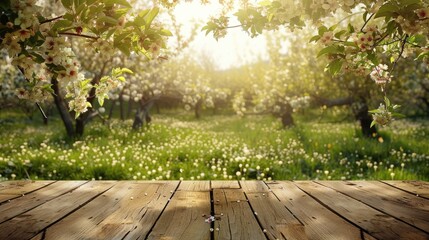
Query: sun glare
{"type": "Point", "coordinates": [234, 50]}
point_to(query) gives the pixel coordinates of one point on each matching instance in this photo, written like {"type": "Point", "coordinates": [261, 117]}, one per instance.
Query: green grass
{"type": "Point", "coordinates": [177, 146]}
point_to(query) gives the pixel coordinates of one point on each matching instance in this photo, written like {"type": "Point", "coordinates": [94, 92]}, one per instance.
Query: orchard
{"type": "Point", "coordinates": [116, 89]}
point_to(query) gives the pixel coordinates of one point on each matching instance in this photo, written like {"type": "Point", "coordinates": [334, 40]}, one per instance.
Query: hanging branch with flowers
{"type": "Point", "coordinates": [39, 46]}
{"type": "Point", "coordinates": [388, 28]}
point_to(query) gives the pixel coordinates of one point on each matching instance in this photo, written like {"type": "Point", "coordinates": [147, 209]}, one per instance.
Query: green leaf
{"type": "Point", "coordinates": [405, 3]}
{"type": "Point", "coordinates": [125, 48]}
{"type": "Point", "coordinates": [126, 70]}
{"type": "Point", "coordinates": [315, 38]}
{"type": "Point", "coordinates": [374, 111]}
{"type": "Point", "coordinates": [110, 33]}
{"type": "Point", "coordinates": [68, 16]}
{"type": "Point", "coordinates": [350, 28]}
{"type": "Point", "coordinates": [165, 32]}
{"type": "Point", "coordinates": [387, 10]}
{"type": "Point", "coordinates": [365, 14]}
{"type": "Point", "coordinates": [37, 58]}
{"type": "Point", "coordinates": [121, 78]}
{"type": "Point", "coordinates": [61, 24]}
{"type": "Point", "coordinates": [101, 101]}
{"type": "Point", "coordinates": [151, 16]}
{"type": "Point", "coordinates": [373, 58]}
{"type": "Point", "coordinates": [394, 107]}
{"type": "Point", "coordinates": [67, 4]}
{"type": "Point", "coordinates": [340, 33]}
{"type": "Point", "coordinates": [422, 56]}
{"type": "Point", "coordinates": [387, 101]}
{"type": "Point", "coordinates": [118, 2]}
{"type": "Point", "coordinates": [265, 3]}
{"type": "Point", "coordinates": [335, 66]}
{"type": "Point", "coordinates": [322, 30]}
{"type": "Point", "coordinates": [398, 115]}
{"type": "Point", "coordinates": [329, 50]}
{"type": "Point", "coordinates": [48, 88]}
{"type": "Point", "coordinates": [372, 123]}
{"type": "Point", "coordinates": [109, 20]}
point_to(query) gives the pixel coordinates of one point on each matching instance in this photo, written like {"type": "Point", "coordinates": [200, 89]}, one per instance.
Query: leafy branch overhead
{"type": "Point", "coordinates": [389, 28]}
{"type": "Point", "coordinates": [40, 44]}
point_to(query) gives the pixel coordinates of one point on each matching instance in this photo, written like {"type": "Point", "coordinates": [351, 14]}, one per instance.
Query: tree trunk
{"type": "Point", "coordinates": [80, 126]}
{"type": "Point", "coordinates": [62, 109]}
{"type": "Point", "coordinates": [197, 109]}
{"type": "Point", "coordinates": [365, 121]}
{"type": "Point", "coordinates": [85, 117]}
{"type": "Point", "coordinates": [158, 110]}
{"type": "Point", "coordinates": [111, 109]}
{"type": "Point", "coordinates": [45, 121]}
{"type": "Point", "coordinates": [286, 116]}
{"type": "Point", "coordinates": [121, 106]}
{"type": "Point", "coordinates": [130, 107]}
{"type": "Point", "coordinates": [143, 113]}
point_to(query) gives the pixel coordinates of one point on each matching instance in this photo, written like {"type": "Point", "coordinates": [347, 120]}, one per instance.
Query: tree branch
{"type": "Point", "coordinates": [366, 21]}
{"type": "Point", "coordinates": [51, 20]}
{"type": "Point", "coordinates": [78, 35]}
{"type": "Point", "coordinates": [404, 41]}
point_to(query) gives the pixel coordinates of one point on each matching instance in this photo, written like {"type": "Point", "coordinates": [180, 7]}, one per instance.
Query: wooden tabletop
{"type": "Point", "coordinates": [214, 210]}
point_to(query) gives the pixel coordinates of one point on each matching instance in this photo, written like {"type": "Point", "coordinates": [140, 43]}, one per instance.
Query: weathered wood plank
{"type": "Point", "coordinates": [28, 225]}
{"type": "Point", "coordinates": [273, 184]}
{"type": "Point", "coordinates": [38, 237]}
{"type": "Point", "coordinates": [376, 223]}
{"type": "Point", "coordinates": [20, 205]}
{"type": "Point", "coordinates": [225, 184]}
{"type": "Point", "coordinates": [183, 217]}
{"type": "Point", "coordinates": [236, 219]}
{"type": "Point", "coordinates": [22, 187]}
{"type": "Point", "coordinates": [6, 197]}
{"type": "Point", "coordinates": [277, 221]}
{"type": "Point", "coordinates": [194, 186]}
{"type": "Point", "coordinates": [366, 236]}
{"type": "Point", "coordinates": [254, 186]}
{"type": "Point", "coordinates": [13, 189]}
{"type": "Point", "coordinates": [397, 203]}
{"type": "Point", "coordinates": [416, 187]}
{"type": "Point", "coordinates": [319, 222]}
{"type": "Point", "coordinates": [126, 211]}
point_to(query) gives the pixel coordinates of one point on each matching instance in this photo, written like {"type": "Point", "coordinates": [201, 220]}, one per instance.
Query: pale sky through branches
{"type": "Point", "coordinates": [237, 48]}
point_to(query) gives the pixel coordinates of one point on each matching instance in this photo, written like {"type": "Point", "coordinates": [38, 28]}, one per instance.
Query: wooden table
{"type": "Point", "coordinates": [240, 210]}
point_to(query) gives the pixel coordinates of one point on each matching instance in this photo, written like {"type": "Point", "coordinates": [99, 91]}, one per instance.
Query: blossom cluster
{"type": "Point", "coordinates": [239, 104]}
{"type": "Point", "coordinates": [40, 45]}
{"type": "Point", "coordinates": [381, 75]}
{"type": "Point", "coordinates": [383, 116]}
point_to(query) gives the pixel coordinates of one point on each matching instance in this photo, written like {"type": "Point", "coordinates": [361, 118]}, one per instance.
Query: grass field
{"type": "Point", "coordinates": [176, 146]}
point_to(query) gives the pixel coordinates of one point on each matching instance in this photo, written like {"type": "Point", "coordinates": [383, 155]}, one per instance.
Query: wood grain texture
{"type": "Point", "coordinates": [194, 186]}
{"type": "Point", "coordinates": [254, 186]}
{"type": "Point", "coordinates": [225, 184]}
{"type": "Point", "coordinates": [126, 211]}
{"type": "Point", "coordinates": [275, 218]}
{"type": "Point", "coordinates": [244, 210]}
{"type": "Point", "coordinates": [22, 187]}
{"type": "Point", "coordinates": [236, 219]}
{"type": "Point", "coordinates": [319, 222]}
{"type": "Point", "coordinates": [394, 202]}
{"type": "Point", "coordinates": [417, 188]}
{"type": "Point", "coordinates": [38, 236]}
{"type": "Point", "coordinates": [23, 204]}
{"type": "Point", "coordinates": [14, 189]}
{"type": "Point", "coordinates": [376, 223]}
{"type": "Point", "coordinates": [29, 224]}
{"type": "Point", "coordinates": [183, 217]}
